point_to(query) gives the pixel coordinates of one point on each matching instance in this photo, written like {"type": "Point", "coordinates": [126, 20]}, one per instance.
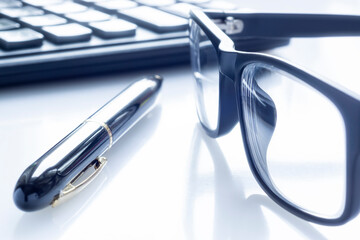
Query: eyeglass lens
{"type": "Point", "coordinates": [297, 139]}
{"type": "Point", "coordinates": [206, 72]}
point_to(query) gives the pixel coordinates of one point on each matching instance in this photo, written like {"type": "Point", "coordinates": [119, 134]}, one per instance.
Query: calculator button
{"type": "Point", "coordinates": [114, 28]}
{"type": "Point", "coordinates": [10, 4]}
{"type": "Point", "coordinates": [42, 3]}
{"type": "Point", "coordinates": [89, 2]}
{"type": "Point", "coordinates": [155, 19]}
{"type": "Point", "coordinates": [67, 33]}
{"type": "Point", "coordinates": [21, 12]}
{"type": "Point", "coordinates": [194, 1]}
{"type": "Point", "coordinates": [44, 20]}
{"type": "Point", "coordinates": [113, 6]}
{"type": "Point", "coordinates": [157, 3]}
{"type": "Point", "coordinates": [89, 16]}
{"type": "Point", "coordinates": [66, 7]}
{"type": "Point", "coordinates": [20, 38]}
{"type": "Point", "coordinates": [6, 24]}
{"type": "Point", "coordinates": [219, 5]}
{"type": "Point", "coordinates": [180, 9]}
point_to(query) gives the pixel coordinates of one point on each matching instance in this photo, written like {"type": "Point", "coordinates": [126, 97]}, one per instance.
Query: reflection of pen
{"type": "Point", "coordinates": [73, 162]}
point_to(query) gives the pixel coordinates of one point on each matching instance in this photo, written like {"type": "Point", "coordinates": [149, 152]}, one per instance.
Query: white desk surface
{"type": "Point", "coordinates": [161, 182]}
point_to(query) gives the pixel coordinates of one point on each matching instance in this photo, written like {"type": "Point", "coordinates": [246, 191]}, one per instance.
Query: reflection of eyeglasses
{"type": "Point", "coordinates": [235, 212]}
{"type": "Point", "coordinates": [301, 134]}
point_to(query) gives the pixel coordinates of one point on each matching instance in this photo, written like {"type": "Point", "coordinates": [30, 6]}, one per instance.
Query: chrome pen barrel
{"type": "Point", "coordinates": [41, 183]}
{"type": "Point", "coordinates": [125, 109]}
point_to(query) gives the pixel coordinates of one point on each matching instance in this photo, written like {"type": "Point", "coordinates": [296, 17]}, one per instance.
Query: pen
{"type": "Point", "coordinates": [73, 162]}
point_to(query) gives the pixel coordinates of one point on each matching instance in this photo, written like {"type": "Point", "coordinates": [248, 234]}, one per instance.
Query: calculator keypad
{"type": "Point", "coordinates": [99, 22]}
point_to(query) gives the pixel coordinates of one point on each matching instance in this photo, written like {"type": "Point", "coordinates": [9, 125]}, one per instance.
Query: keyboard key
{"type": "Point", "coordinates": [6, 24]}
{"type": "Point", "coordinates": [42, 3]}
{"type": "Point", "coordinates": [156, 3]}
{"type": "Point", "coordinates": [44, 20]}
{"type": "Point", "coordinates": [67, 33]}
{"type": "Point", "coordinates": [114, 28]}
{"type": "Point", "coordinates": [89, 16]}
{"type": "Point", "coordinates": [10, 3]}
{"type": "Point", "coordinates": [180, 9]}
{"type": "Point", "coordinates": [219, 5]}
{"type": "Point", "coordinates": [114, 5]}
{"type": "Point", "coordinates": [66, 7]}
{"type": "Point", "coordinates": [20, 38]}
{"type": "Point", "coordinates": [21, 12]}
{"type": "Point", "coordinates": [154, 19]}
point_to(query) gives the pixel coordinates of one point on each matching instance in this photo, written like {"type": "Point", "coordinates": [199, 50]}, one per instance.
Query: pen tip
{"type": "Point", "coordinates": [156, 78]}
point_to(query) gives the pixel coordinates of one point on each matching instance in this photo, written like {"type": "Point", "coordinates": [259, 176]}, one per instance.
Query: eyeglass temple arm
{"type": "Point", "coordinates": [297, 25]}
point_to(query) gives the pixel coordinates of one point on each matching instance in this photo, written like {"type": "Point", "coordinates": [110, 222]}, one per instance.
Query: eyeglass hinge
{"type": "Point", "coordinates": [233, 26]}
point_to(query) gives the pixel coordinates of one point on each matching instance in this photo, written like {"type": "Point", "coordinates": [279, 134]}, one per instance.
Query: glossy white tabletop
{"type": "Point", "coordinates": [165, 178]}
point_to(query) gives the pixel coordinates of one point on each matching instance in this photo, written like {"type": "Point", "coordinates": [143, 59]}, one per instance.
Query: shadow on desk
{"type": "Point", "coordinates": [235, 216]}
{"type": "Point", "coordinates": [56, 220]}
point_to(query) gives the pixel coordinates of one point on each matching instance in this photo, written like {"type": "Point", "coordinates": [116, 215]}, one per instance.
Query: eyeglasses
{"type": "Point", "coordinates": [301, 134]}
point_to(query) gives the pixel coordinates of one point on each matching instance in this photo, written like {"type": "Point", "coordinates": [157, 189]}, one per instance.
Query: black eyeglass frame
{"type": "Point", "coordinates": [232, 63]}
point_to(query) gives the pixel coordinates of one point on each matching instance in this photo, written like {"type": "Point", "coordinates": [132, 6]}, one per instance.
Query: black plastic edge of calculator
{"type": "Point", "coordinates": [91, 62]}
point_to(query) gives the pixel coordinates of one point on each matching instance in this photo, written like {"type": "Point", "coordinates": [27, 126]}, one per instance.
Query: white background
{"type": "Point", "coordinates": [165, 179]}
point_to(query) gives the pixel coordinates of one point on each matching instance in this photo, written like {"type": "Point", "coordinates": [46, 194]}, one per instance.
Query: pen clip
{"type": "Point", "coordinates": [72, 187]}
